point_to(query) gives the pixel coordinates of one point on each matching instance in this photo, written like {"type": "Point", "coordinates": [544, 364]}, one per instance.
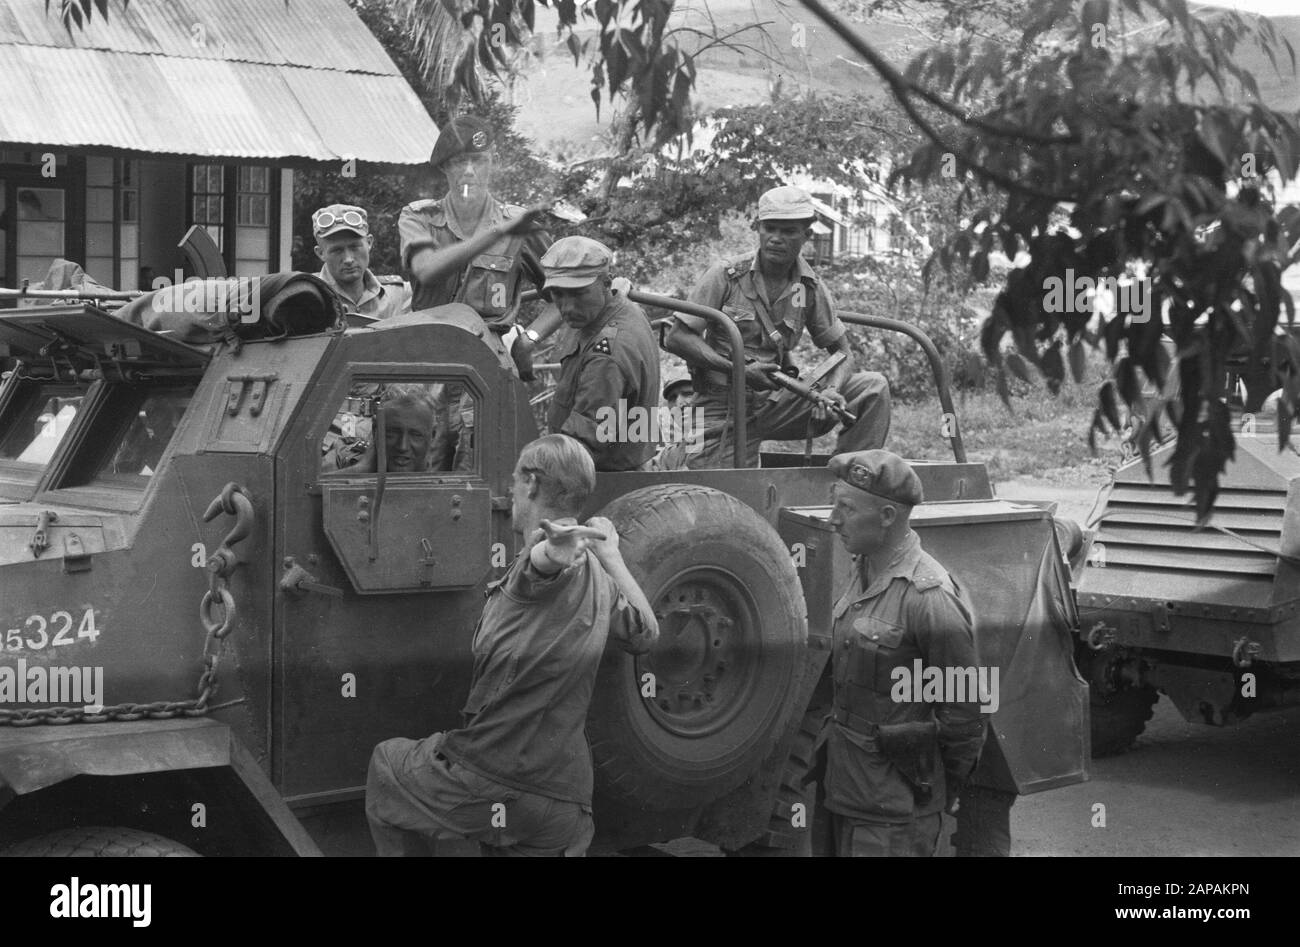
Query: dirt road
{"type": "Point", "coordinates": [1185, 789]}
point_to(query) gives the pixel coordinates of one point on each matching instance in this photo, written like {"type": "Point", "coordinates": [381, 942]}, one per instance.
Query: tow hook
{"type": "Point", "coordinates": [1244, 651]}
{"type": "Point", "coordinates": [40, 540]}
{"type": "Point", "coordinates": [1099, 636]}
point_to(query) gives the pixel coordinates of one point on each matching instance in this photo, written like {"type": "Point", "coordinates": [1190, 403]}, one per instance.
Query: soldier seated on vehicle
{"type": "Point", "coordinates": [343, 243]}
{"type": "Point", "coordinates": [410, 414]}
{"type": "Point", "coordinates": [517, 777]}
{"type": "Point", "coordinates": [607, 392]}
{"type": "Point", "coordinates": [772, 295]}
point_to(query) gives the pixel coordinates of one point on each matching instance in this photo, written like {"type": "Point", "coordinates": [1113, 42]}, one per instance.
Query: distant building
{"type": "Point", "coordinates": [849, 226]}
{"type": "Point", "coordinates": [116, 139]}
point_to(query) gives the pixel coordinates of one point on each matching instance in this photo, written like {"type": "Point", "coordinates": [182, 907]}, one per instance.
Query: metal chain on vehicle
{"type": "Point", "coordinates": [217, 612]}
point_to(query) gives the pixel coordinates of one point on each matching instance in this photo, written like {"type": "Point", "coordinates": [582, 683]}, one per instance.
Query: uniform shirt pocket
{"type": "Point", "coordinates": [875, 642]}
{"type": "Point", "coordinates": [878, 632]}
{"type": "Point", "coordinates": [746, 320]}
{"type": "Point", "coordinates": [487, 284]}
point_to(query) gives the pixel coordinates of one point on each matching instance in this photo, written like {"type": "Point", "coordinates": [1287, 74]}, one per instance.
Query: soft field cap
{"type": "Point", "coordinates": [786, 203]}
{"type": "Point", "coordinates": [574, 262]}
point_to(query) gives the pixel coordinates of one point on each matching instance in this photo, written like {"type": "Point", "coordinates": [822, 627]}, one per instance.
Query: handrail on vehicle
{"type": "Point", "coordinates": [936, 366]}
{"type": "Point", "coordinates": [729, 329]}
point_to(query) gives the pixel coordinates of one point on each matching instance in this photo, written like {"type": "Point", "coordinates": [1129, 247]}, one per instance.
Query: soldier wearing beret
{"type": "Point", "coordinates": [607, 392]}
{"type": "Point", "coordinates": [489, 281]}
{"type": "Point", "coordinates": [343, 243]}
{"type": "Point", "coordinates": [892, 764]}
{"type": "Point", "coordinates": [772, 295]}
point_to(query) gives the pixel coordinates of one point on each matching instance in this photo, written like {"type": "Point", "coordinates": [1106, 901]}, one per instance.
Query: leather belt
{"type": "Point", "coordinates": [854, 722]}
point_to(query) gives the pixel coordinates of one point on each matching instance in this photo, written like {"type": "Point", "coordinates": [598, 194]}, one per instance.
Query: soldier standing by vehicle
{"type": "Point", "coordinates": [772, 295]}
{"type": "Point", "coordinates": [490, 281]}
{"type": "Point", "coordinates": [884, 786]}
{"type": "Point", "coordinates": [343, 243]}
{"type": "Point", "coordinates": [517, 776]}
{"type": "Point", "coordinates": [607, 392]}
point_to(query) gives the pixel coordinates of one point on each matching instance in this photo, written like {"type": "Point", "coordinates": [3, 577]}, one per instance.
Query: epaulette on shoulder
{"type": "Point", "coordinates": [511, 211]}
{"type": "Point", "coordinates": [928, 574]}
{"type": "Point", "coordinates": [424, 204]}
{"type": "Point", "coordinates": [738, 266]}
{"type": "Point", "coordinates": [391, 279]}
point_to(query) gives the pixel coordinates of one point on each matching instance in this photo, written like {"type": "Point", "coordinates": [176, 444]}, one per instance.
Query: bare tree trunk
{"type": "Point", "coordinates": [626, 138]}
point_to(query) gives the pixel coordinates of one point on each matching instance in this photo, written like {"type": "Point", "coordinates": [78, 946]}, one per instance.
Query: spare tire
{"type": "Point", "coordinates": [720, 684]}
{"type": "Point", "coordinates": [98, 841]}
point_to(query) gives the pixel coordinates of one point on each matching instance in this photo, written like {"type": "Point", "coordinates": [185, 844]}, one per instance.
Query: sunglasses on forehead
{"type": "Point", "coordinates": [324, 218]}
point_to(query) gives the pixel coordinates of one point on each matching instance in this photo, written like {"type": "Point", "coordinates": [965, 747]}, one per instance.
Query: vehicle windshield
{"type": "Point", "coordinates": [147, 436]}
{"type": "Point", "coordinates": [134, 428]}
{"type": "Point", "coordinates": [37, 423]}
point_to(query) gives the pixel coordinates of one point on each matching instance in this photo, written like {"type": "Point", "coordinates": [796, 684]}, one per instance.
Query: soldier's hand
{"type": "Point", "coordinates": [565, 542]}
{"type": "Point", "coordinates": [605, 547]}
{"type": "Point", "coordinates": [821, 410]}
{"type": "Point", "coordinates": [527, 222]}
{"type": "Point", "coordinates": [756, 375]}
{"type": "Point", "coordinates": [620, 286]}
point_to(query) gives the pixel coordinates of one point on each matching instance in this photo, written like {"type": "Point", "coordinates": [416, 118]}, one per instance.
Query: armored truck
{"type": "Point", "coordinates": [206, 627]}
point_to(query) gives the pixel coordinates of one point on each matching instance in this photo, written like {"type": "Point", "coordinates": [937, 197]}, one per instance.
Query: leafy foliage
{"type": "Point", "coordinates": [633, 51]}
{"type": "Point", "coordinates": [78, 12]}
{"type": "Point", "coordinates": [1161, 165]}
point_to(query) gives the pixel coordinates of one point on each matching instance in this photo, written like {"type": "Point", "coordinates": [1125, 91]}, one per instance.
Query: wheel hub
{"type": "Point", "coordinates": [703, 665]}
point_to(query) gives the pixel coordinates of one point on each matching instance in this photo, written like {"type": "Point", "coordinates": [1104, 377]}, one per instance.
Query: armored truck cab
{"type": "Point", "coordinates": [258, 618]}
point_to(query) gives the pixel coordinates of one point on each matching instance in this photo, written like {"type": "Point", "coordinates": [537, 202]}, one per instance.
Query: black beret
{"type": "Point", "coordinates": [879, 473]}
{"type": "Point", "coordinates": [464, 135]}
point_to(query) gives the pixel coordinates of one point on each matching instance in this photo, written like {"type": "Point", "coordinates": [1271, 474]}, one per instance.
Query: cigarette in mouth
{"type": "Point", "coordinates": [464, 190]}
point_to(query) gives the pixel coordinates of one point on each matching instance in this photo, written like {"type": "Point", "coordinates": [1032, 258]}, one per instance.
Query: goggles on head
{"type": "Point", "coordinates": [324, 219]}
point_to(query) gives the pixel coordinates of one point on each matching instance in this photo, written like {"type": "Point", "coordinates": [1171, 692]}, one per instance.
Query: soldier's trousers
{"type": "Point", "coordinates": [789, 417]}
{"type": "Point", "coordinates": [855, 838]}
{"type": "Point", "coordinates": [415, 795]}
{"type": "Point", "coordinates": [983, 822]}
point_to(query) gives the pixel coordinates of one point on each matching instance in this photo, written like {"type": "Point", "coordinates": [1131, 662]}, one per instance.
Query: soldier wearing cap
{"type": "Point", "coordinates": [343, 243]}
{"type": "Point", "coordinates": [607, 392]}
{"type": "Point", "coordinates": [772, 295]}
{"type": "Point", "coordinates": [892, 762]}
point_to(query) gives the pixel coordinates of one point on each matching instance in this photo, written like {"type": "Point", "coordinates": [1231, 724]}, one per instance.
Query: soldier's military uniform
{"type": "Point", "coordinates": [382, 297]}
{"type": "Point", "coordinates": [769, 330]}
{"type": "Point", "coordinates": [489, 284]}
{"type": "Point", "coordinates": [890, 764]}
{"type": "Point", "coordinates": [607, 392]}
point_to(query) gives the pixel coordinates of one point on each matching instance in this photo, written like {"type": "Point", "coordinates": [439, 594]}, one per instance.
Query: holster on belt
{"type": "Point", "coordinates": [914, 749]}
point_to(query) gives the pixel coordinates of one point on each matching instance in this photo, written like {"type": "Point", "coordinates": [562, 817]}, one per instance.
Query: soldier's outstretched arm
{"type": "Point", "coordinates": [632, 623]}
{"type": "Point", "coordinates": [430, 264]}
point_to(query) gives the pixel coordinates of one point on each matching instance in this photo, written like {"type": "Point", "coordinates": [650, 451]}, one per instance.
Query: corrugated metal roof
{"type": "Point", "coordinates": [273, 81]}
